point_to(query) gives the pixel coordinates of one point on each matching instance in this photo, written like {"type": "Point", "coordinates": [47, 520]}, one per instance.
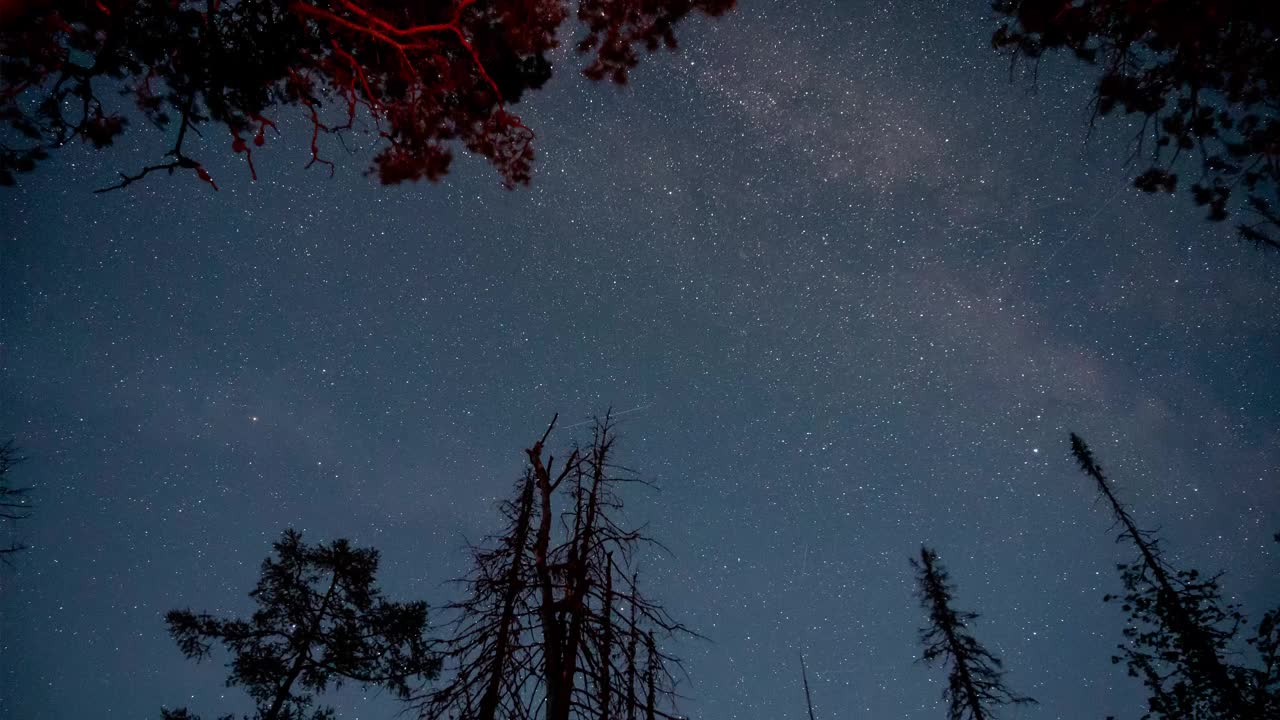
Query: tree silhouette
{"type": "Point", "coordinates": [804, 677]}
{"type": "Point", "coordinates": [321, 622]}
{"type": "Point", "coordinates": [975, 685]}
{"type": "Point", "coordinates": [1265, 677]}
{"type": "Point", "coordinates": [1180, 631]}
{"type": "Point", "coordinates": [554, 622]}
{"type": "Point", "coordinates": [13, 500]}
{"type": "Point", "coordinates": [422, 77]}
{"type": "Point", "coordinates": [1203, 75]}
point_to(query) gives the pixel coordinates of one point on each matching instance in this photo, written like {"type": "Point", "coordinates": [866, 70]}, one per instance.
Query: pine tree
{"type": "Point", "coordinates": [321, 622]}
{"type": "Point", "coordinates": [1180, 631]}
{"type": "Point", "coordinates": [975, 686]}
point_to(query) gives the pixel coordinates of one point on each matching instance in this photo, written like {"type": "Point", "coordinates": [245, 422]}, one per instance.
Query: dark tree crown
{"type": "Point", "coordinates": [1203, 75]}
{"type": "Point", "coordinates": [321, 622]}
{"type": "Point", "coordinates": [423, 78]}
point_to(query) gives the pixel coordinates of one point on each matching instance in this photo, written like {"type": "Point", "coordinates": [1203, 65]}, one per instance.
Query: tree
{"type": "Point", "coordinates": [975, 686]}
{"type": "Point", "coordinates": [422, 77]}
{"type": "Point", "coordinates": [490, 650]}
{"type": "Point", "coordinates": [804, 676]}
{"type": "Point", "coordinates": [321, 622]}
{"type": "Point", "coordinates": [1203, 75]}
{"type": "Point", "coordinates": [554, 622]}
{"type": "Point", "coordinates": [1180, 631]}
{"type": "Point", "coordinates": [1265, 676]}
{"type": "Point", "coordinates": [13, 500]}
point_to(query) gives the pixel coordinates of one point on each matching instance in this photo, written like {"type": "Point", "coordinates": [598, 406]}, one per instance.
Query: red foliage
{"type": "Point", "coordinates": [423, 75]}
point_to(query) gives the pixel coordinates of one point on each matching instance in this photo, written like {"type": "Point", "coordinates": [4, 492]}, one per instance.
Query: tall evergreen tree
{"type": "Point", "coordinates": [975, 685]}
{"type": "Point", "coordinates": [1180, 631]}
{"type": "Point", "coordinates": [321, 622]}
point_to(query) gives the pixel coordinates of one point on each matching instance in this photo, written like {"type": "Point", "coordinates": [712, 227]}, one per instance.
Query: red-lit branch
{"type": "Point", "coordinates": [431, 78]}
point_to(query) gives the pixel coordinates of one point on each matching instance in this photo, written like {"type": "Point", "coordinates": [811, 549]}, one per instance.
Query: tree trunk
{"type": "Point", "coordinates": [959, 656]}
{"type": "Point", "coordinates": [651, 679]}
{"type": "Point", "coordinates": [606, 644]}
{"type": "Point", "coordinates": [304, 652]}
{"type": "Point", "coordinates": [804, 675]}
{"type": "Point", "coordinates": [552, 631]}
{"type": "Point", "coordinates": [631, 655]}
{"type": "Point", "coordinates": [489, 702]}
{"type": "Point", "coordinates": [579, 584]}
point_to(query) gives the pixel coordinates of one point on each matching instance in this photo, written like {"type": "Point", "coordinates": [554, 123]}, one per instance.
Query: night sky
{"type": "Point", "coordinates": [850, 287]}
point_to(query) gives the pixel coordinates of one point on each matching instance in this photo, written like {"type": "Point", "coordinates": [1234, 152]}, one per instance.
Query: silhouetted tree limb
{"type": "Point", "coordinates": [14, 504]}
{"type": "Point", "coordinates": [1204, 76]}
{"type": "Point", "coordinates": [548, 600]}
{"type": "Point", "coordinates": [423, 78]}
{"type": "Point", "coordinates": [1265, 677]}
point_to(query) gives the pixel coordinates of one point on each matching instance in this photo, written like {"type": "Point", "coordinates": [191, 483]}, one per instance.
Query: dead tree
{"type": "Point", "coordinates": [633, 640]}
{"type": "Point", "coordinates": [975, 687]}
{"type": "Point", "coordinates": [488, 649]}
{"type": "Point", "coordinates": [650, 679]}
{"type": "Point", "coordinates": [538, 633]}
{"type": "Point", "coordinates": [606, 646]}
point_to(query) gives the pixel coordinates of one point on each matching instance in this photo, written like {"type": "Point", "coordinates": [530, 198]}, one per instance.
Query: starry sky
{"type": "Point", "coordinates": [851, 287]}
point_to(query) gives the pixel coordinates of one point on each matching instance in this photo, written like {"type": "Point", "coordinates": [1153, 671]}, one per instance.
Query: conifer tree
{"type": "Point", "coordinates": [975, 684]}
{"type": "Point", "coordinates": [1180, 631]}
{"type": "Point", "coordinates": [321, 622]}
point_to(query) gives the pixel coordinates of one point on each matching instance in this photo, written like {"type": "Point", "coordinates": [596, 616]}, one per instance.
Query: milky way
{"type": "Point", "coordinates": [852, 285]}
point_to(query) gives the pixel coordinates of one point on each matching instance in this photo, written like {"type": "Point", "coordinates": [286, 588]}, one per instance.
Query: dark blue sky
{"type": "Point", "coordinates": [855, 287]}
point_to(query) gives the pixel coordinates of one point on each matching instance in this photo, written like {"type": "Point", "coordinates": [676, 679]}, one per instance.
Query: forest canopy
{"type": "Point", "coordinates": [1202, 77]}
{"type": "Point", "coordinates": [424, 78]}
